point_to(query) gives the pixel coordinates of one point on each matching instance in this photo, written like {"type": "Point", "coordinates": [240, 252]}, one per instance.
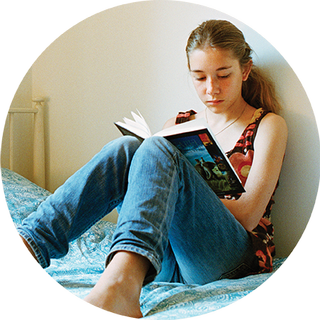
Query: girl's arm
{"type": "Point", "coordinates": [269, 146]}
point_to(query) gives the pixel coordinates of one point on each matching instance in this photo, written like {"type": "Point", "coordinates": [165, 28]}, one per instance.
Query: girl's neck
{"type": "Point", "coordinates": [220, 122]}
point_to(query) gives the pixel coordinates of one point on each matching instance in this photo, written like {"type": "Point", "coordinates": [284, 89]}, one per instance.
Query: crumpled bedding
{"type": "Point", "coordinates": [81, 268]}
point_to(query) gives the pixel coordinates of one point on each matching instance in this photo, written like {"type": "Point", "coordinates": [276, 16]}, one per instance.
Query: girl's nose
{"type": "Point", "coordinates": [212, 87]}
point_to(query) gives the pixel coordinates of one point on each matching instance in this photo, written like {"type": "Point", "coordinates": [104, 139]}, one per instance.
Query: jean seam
{"type": "Point", "coordinates": [174, 173]}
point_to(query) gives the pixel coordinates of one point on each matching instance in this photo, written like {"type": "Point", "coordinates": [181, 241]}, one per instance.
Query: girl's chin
{"type": "Point", "coordinates": [216, 108]}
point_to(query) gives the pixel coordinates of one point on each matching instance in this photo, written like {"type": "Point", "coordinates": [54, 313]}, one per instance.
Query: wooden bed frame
{"type": "Point", "coordinates": [38, 139]}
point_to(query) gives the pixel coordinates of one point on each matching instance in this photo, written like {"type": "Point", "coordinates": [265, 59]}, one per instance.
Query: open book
{"type": "Point", "coordinates": [196, 142]}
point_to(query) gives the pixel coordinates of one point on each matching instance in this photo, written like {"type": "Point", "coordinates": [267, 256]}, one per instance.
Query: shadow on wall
{"type": "Point", "coordinates": [111, 63]}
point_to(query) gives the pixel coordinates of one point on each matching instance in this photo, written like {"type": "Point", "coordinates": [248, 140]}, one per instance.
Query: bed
{"type": "Point", "coordinates": [81, 268]}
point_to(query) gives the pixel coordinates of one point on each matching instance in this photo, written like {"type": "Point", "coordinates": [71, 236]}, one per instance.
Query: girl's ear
{"type": "Point", "coordinates": [246, 70]}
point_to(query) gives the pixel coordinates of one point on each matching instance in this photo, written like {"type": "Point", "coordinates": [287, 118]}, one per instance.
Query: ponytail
{"type": "Point", "coordinates": [259, 91]}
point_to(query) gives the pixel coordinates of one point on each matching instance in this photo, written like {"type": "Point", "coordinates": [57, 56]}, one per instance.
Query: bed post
{"type": "Point", "coordinates": [39, 144]}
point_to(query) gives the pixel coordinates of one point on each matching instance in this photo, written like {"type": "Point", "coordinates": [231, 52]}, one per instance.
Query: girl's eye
{"type": "Point", "coordinates": [200, 78]}
{"type": "Point", "coordinates": [224, 77]}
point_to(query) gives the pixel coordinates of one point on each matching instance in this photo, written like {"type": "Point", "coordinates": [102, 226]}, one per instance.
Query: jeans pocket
{"type": "Point", "coordinates": [240, 271]}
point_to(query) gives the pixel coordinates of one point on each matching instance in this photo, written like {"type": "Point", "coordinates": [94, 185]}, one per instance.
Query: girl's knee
{"type": "Point", "coordinates": [129, 142]}
{"type": "Point", "coordinates": [156, 141]}
{"type": "Point", "coordinates": [118, 151]}
{"type": "Point", "coordinates": [126, 143]}
{"type": "Point", "coordinates": [157, 145]}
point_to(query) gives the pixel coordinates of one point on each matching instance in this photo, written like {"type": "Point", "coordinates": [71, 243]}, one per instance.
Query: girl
{"type": "Point", "coordinates": [172, 226]}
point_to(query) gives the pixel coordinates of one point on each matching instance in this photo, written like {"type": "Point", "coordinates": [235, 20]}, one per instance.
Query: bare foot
{"type": "Point", "coordinates": [118, 290]}
{"type": "Point", "coordinates": [115, 301]}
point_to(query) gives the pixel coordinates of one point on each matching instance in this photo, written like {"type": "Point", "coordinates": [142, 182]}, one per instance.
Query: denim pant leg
{"type": "Point", "coordinates": [170, 216]}
{"type": "Point", "coordinates": [206, 240]}
{"type": "Point", "coordinates": [85, 198]}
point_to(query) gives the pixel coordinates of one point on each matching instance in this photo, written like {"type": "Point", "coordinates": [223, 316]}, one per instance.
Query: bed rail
{"type": "Point", "coordinates": [38, 139]}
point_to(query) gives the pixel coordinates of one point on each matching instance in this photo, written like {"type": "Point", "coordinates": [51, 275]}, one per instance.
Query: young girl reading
{"type": "Point", "coordinates": [172, 226]}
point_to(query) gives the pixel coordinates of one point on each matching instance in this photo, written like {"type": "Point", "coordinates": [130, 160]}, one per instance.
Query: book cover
{"type": "Point", "coordinates": [207, 158]}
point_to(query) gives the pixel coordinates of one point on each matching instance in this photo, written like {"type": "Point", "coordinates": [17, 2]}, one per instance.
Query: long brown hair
{"type": "Point", "coordinates": [258, 91]}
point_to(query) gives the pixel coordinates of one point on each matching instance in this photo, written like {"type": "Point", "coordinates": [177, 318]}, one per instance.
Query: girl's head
{"type": "Point", "coordinates": [257, 90]}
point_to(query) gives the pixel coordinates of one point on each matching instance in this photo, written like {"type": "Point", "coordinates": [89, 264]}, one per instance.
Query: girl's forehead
{"type": "Point", "coordinates": [213, 58]}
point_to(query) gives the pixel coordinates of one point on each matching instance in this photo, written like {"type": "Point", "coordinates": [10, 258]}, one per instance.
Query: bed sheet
{"type": "Point", "coordinates": [81, 268]}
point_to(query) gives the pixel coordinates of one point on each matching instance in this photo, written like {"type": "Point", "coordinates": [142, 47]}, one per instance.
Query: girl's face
{"type": "Point", "coordinates": [217, 77]}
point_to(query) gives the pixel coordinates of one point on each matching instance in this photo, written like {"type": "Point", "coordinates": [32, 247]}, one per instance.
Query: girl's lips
{"type": "Point", "coordinates": [214, 102]}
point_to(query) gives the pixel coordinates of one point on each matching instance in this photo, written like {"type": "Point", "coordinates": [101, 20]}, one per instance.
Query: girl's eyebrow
{"type": "Point", "coordinates": [219, 69]}
{"type": "Point", "coordinates": [224, 68]}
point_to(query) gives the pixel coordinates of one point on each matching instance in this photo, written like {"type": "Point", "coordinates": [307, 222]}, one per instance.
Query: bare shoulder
{"type": "Point", "coordinates": [273, 123]}
{"type": "Point", "coordinates": [272, 128]}
{"type": "Point", "coordinates": [169, 123]}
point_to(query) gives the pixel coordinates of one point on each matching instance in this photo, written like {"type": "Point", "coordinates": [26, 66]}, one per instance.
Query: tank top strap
{"type": "Point", "coordinates": [184, 116]}
{"type": "Point", "coordinates": [247, 138]}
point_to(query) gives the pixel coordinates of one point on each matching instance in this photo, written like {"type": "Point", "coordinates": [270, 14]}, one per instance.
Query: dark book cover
{"type": "Point", "coordinates": [203, 153]}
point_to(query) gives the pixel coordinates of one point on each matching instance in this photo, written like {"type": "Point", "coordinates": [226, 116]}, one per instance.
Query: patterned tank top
{"type": "Point", "coordinates": [241, 158]}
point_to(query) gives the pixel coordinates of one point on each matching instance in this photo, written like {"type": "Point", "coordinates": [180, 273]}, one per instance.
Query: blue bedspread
{"type": "Point", "coordinates": [81, 268]}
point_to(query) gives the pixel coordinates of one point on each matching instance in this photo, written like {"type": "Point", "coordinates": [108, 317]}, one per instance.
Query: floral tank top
{"type": "Point", "coordinates": [241, 158]}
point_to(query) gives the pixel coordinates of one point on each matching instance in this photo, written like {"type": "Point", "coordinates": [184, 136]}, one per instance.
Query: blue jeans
{"type": "Point", "coordinates": [167, 213]}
